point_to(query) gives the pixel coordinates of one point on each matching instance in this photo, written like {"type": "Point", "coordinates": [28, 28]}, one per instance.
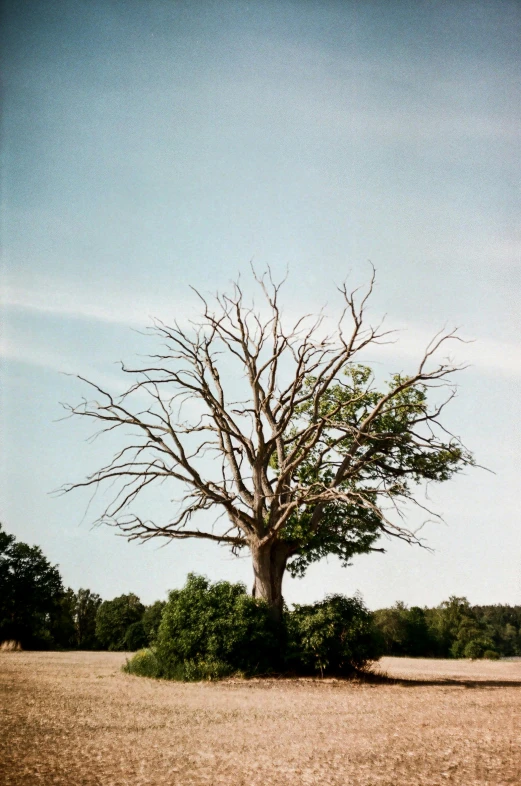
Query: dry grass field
{"type": "Point", "coordinates": [75, 718]}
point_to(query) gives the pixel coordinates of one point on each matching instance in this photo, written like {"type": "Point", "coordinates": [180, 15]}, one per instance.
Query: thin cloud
{"type": "Point", "coordinates": [34, 355]}
{"type": "Point", "coordinates": [481, 354]}
{"type": "Point", "coordinates": [410, 340]}
{"type": "Point", "coordinates": [77, 305]}
{"type": "Point", "coordinates": [358, 97]}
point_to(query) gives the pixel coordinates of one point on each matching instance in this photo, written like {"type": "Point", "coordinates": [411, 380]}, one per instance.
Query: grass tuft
{"type": "Point", "coordinates": [10, 646]}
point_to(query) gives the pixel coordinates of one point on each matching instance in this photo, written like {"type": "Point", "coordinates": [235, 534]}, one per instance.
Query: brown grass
{"type": "Point", "coordinates": [75, 718]}
{"type": "Point", "coordinates": [10, 645]}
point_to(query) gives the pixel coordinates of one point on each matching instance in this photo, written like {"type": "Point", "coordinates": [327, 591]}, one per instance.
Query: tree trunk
{"type": "Point", "coordinates": [269, 564]}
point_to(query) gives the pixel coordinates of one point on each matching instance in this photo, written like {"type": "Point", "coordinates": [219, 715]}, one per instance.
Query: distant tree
{"type": "Point", "coordinates": [31, 593]}
{"type": "Point", "coordinates": [460, 632]}
{"type": "Point", "coordinates": [135, 637]}
{"type": "Point", "coordinates": [405, 631]}
{"type": "Point", "coordinates": [114, 618]}
{"type": "Point", "coordinates": [62, 623]}
{"type": "Point", "coordinates": [308, 454]}
{"type": "Point", "coordinates": [392, 626]}
{"type": "Point", "coordinates": [420, 641]}
{"type": "Point", "coordinates": [152, 619]}
{"type": "Point", "coordinates": [454, 629]}
{"type": "Point", "coordinates": [504, 624]}
{"type": "Point", "coordinates": [86, 607]}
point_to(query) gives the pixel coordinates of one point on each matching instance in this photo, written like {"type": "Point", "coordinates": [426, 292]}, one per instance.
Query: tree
{"type": "Point", "coordinates": [86, 607]}
{"type": "Point", "coordinates": [62, 622]}
{"type": "Point", "coordinates": [309, 456]}
{"type": "Point", "coordinates": [31, 594]}
{"type": "Point", "coordinates": [152, 619]}
{"type": "Point", "coordinates": [405, 631]}
{"type": "Point", "coordinates": [135, 637]}
{"type": "Point", "coordinates": [461, 631]}
{"type": "Point", "coordinates": [115, 617]}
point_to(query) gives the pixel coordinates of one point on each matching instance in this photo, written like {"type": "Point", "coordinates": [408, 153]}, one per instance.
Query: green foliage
{"type": "Point", "coordinates": [454, 629]}
{"type": "Point", "coordinates": [504, 625]}
{"type": "Point", "coordinates": [335, 636]}
{"type": "Point", "coordinates": [86, 607]}
{"type": "Point", "coordinates": [61, 623]}
{"type": "Point", "coordinates": [209, 631]}
{"type": "Point", "coordinates": [135, 637]}
{"type": "Point", "coordinates": [152, 619]}
{"type": "Point", "coordinates": [31, 595]}
{"type": "Point", "coordinates": [390, 459]}
{"type": "Point", "coordinates": [143, 664]}
{"type": "Point", "coordinates": [405, 631]}
{"type": "Point", "coordinates": [113, 619]}
{"type": "Point", "coordinates": [462, 634]}
{"type": "Point", "coordinates": [473, 649]}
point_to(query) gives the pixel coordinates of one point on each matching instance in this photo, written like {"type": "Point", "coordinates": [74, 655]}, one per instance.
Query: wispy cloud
{"type": "Point", "coordinates": [34, 354]}
{"type": "Point", "coordinates": [410, 340]}
{"type": "Point", "coordinates": [479, 353]}
{"type": "Point", "coordinates": [367, 97]}
{"type": "Point", "coordinates": [78, 304]}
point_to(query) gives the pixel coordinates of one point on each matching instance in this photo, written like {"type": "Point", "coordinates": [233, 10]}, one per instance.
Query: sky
{"type": "Point", "coordinates": [148, 147]}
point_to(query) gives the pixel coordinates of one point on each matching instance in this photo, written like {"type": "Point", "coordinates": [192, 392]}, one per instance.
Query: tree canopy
{"type": "Point", "coordinates": [115, 617]}
{"type": "Point", "coordinates": [289, 436]}
{"type": "Point", "coordinates": [31, 592]}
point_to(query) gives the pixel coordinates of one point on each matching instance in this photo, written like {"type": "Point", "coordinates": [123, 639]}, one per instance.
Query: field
{"type": "Point", "coordinates": [75, 718]}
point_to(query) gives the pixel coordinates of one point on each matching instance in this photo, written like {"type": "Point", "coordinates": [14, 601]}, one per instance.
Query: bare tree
{"type": "Point", "coordinates": [312, 460]}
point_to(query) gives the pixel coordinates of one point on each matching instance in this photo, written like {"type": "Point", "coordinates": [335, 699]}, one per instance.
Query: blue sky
{"type": "Point", "coordinates": [150, 146]}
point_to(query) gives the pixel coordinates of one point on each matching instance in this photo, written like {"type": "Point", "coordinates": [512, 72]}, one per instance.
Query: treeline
{"type": "Point", "coordinates": [37, 611]}
{"type": "Point", "coordinates": [40, 613]}
{"type": "Point", "coordinates": [454, 629]}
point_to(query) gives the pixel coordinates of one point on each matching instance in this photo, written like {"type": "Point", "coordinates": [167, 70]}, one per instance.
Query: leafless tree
{"type": "Point", "coordinates": [312, 459]}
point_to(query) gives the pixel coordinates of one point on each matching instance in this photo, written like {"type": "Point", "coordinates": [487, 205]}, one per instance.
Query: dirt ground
{"type": "Point", "coordinates": [75, 718]}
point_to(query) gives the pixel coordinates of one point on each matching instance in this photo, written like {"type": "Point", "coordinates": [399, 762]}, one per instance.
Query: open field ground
{"type": "Point", "coordinates": [75, 718]}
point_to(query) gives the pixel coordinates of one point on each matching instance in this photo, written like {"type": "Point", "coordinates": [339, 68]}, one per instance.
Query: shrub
{"type": "Point", "coordinates": [491, 655]}
{"type": "Point", "coordinates": [135, 638]}
{"type": "Point", "coordinates": [335, 636]}
{"type": "Point", "coordinates": [477, 648]}
{"type": "Point", "coordinates": [144, 664]}
{"type": "Point", "coordinates": [209, 631]}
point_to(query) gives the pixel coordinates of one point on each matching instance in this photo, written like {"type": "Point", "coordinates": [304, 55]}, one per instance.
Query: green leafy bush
{"type": "Point", "coordinates": [491, 655]}
{"type": "Point", "coordinates": [144, 664]}
{"type": "Point", "coordinates": [335, 636]}
{"type": "Point", "coordinates": [209, 631]}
